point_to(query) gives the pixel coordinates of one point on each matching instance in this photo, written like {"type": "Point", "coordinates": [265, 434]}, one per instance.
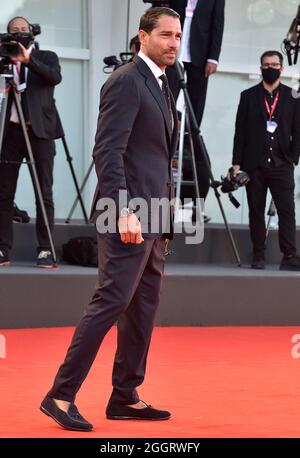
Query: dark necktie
{"type": "Point", "coordinates": [167, 95]}
{"type": "Point", "coordinates": [24, 103]}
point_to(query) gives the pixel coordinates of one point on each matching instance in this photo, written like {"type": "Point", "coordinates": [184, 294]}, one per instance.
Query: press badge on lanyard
{"type": "Point", "coordinates": [272, 125]}
{"type": "Point", "coordinates": [21, 87]}
{"type": "Point", "coordinates": [191, 6]}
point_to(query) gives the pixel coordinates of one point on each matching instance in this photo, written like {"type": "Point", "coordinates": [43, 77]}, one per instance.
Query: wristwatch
{"type": "Point", "coordinates": [126, 211]}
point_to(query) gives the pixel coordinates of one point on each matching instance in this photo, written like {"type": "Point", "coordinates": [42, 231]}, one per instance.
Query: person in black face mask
{"type": "Point", "coordinates": [36, 73]}
{"type": "Point", "coordinates": [267, 147]}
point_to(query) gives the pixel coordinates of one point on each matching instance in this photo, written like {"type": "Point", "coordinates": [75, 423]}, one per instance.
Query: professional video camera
{"type": "Point", "coordinates": [157, 3]}
{"type": "Point", "coordinates": [9, 42]}
{"type": "Point", "coordinates": [292, 41]}
{"type": "Point", "coordinates": [231, 183]}
{"type": "Point", "coordinates": [112, 62]}
{"type": "Point", "coordinates": [9, 47]}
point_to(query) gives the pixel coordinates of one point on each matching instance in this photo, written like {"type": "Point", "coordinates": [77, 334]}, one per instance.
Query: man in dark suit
{"type": "Point", "coordinates": [135, 141]}
{"type": "Point", "coordinates": [267, 146]}
{"type": "Point", "coordinates": [203, 24]}
{"type": "Point", "coordinates": [36, 73]}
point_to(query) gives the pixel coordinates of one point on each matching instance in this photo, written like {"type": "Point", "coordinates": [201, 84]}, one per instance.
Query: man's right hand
{"type": "Point", "coordinates": [23, 56]}
{"type": "Point", "coordinates": [210, 69]}
{"type": "Point", "coordinates": [236, 169]}
{"type": "Point", "coordinates": [130, 229]}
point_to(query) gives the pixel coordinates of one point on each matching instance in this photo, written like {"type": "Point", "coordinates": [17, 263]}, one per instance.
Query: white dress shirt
{"type": "Point", "coordinates": [17, 69]}
{"type": "Point", "coordinates": [157, 72]}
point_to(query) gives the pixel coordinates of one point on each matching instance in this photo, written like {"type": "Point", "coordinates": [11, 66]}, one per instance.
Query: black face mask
{"type": "Point", "coordinates": [270, 75]}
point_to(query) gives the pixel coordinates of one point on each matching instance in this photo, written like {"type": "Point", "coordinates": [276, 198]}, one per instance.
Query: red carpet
{"type": "Point", "coordinates": [218, 382]}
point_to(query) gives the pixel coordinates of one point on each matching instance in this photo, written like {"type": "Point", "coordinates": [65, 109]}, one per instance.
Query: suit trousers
{"type": "Point", "coordinates": [14, 151]}
{"type": "Point", "coordinates": [128, 292]}
{"type": "Point", "coordinates": [280, 181]}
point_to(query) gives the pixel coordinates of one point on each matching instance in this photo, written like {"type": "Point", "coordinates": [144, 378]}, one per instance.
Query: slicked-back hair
{"type": "Point", "coordinates": [17, 17]}
{"type": "Point", "coordinates": [150, 18]}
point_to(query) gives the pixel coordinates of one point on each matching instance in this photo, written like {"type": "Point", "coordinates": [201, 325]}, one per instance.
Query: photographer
{"type": "Point", "coordinates": [36, 73]}
{"type": "Point", "coordinates": [267, 147]}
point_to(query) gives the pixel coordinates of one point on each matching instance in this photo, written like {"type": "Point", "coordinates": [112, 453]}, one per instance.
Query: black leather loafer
{"type": "Point", "coordinates": [290, 263]}
{"type": "Point", "coordinates": [123, 412]}
{"type": "Point", "coordinates": [258, 263]}
{"type": "Point", "coordinates": [71, 420]}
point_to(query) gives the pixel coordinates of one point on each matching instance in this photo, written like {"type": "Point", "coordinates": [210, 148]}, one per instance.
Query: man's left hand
{"type": "Point", "coordinates": [210, 68]}
{"type": "Point", "coordinates": [130, 229]}
{"type": "Point", "coordinates": [22, 57]}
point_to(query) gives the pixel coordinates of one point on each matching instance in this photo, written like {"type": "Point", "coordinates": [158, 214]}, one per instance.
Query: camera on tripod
{"type": "Point", "coordinates": [9, 47]}
{"type": "Point", "coordinates": [231, 183]}
{"type": "Point", "coordinates": [292, 42]}
{"type": "Point", "coordinates": [9, 42]}
{"type": "Point", "coordinates": [112, 62]}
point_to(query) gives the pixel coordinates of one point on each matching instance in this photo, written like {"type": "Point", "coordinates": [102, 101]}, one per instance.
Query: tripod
{"type": "Point", "coordinates": [9, 86]}
{"type": "Point", "coordinates": [196, 141]}
{"type": "Point", "coordinates": [78, 190]}
{"type": "Point", "coordinates": [185, 124]}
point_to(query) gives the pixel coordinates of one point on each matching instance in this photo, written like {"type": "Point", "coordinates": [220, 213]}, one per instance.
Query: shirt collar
{"type": "Point", "coordinates": [277, 89]}
{"type": "Point", "coordinates": [157, 72]}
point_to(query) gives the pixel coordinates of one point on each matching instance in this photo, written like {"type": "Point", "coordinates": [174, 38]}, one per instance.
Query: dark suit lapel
{"type": "Point", "coordinates": [34, 52]}
{"type": "Point", "coordinates": [175, 128]}
{"type": "Point", "coordinates": [281, 102]}
{"type": "Point", "coordinates": [198, 6]}
{"type": "Point", "coordinates": [261, 101]}
{"type": "Point", "coordinates": [155, 90]}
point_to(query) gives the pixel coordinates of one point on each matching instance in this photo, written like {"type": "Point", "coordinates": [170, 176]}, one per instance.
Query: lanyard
{"type": "Point", "coordinates": [273, 107]}
{"type": "Point", "coordinates": [191, 6]}
{"type": "Point", "coordinates": [18, 70]}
